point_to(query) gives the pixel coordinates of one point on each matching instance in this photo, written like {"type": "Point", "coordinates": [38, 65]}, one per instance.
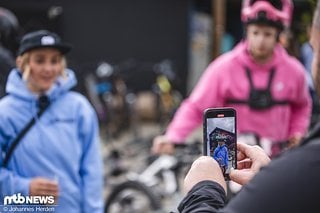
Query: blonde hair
{"type": "Point", "coordinates": [23, 65]}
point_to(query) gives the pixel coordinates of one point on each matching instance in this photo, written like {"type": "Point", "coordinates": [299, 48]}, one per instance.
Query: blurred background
{"type": "Point", "coordinates": [137, 59]}
{"type": "Point", "coordinates": [184, 31]}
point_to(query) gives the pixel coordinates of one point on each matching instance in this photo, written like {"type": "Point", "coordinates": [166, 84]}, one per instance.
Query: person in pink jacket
{"type": "Point", "coordinates": [265, 85]}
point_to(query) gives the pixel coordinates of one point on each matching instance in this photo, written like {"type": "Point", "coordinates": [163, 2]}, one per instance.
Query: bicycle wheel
{"type": "Point", "coordinates": [133, 197]}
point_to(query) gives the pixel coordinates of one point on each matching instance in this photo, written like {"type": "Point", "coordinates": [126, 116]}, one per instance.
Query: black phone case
{"type": "Point", "coordinates": [213, 113]}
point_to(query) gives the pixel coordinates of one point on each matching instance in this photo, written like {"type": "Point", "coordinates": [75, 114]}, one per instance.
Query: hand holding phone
{"type": "Point", "coordinates": [219, 134]}
{"type": "Point", "coordinates": [250, 160]}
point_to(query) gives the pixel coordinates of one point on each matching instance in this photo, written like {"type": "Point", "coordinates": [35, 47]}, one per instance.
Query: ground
{"type": "Point", "coordinates": [133, 145]}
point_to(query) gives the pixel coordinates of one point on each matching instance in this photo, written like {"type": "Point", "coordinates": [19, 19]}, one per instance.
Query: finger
{"type": "Point", "coordinates": [48, 186]}
{"type": "Point", "coordinates": [241, 176]}
{"type": "Point", "coordinates": [254, 152]}
{"type": "Point", "coordinates": [164, 148]}
{"type": "Point", "coordinates": [156, 147]}
{"type": "Point", "coordinates": [236, 175]}
{"type": "Point", "coordinates": [44, 191]}
{"type": "Point", "coordinates": [256, 165]}
{"type": "Point", "coordinates": [243, 148]}
{"type": "Point", "coordinates": [169, 148]}
{"type": "Point", "coordinates": [48, 193]}
{"type": "Point", "coordinates": [241, 155]}
{"type": "Point", "coordinates": [242, 151]}
{"type": "Point", "coordinates": [244, 164]}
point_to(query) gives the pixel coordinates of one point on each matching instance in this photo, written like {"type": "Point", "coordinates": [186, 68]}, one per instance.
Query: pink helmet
{"type": "Point", "coordinates": [264, 10]}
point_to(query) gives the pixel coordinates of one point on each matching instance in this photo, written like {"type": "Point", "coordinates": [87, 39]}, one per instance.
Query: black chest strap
{"type": "Point", "coordinates": [259, 98]}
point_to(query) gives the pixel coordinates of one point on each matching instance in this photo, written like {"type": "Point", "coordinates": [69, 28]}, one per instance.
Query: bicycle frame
{"type": "Point", "coordinates": [162, 165]}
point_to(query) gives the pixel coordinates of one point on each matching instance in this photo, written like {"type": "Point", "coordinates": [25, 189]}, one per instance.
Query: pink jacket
{"type": "Point", "coordinates": [226, 78]}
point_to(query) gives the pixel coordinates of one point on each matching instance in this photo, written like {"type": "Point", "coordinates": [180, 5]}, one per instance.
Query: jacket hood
{"type": "Point", "coordinates": [16, 86]}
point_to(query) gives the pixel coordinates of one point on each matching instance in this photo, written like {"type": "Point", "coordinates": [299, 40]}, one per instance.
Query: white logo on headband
{"type": "Point", "coordinates": [47, 40]}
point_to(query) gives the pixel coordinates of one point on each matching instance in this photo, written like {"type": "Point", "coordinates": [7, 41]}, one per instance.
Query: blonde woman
{"type": "Point", "coordinates": [58, 158]}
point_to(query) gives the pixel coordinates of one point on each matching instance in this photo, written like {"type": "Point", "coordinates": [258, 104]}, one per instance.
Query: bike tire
{"type": "Point", "coordinates": [139, 188]}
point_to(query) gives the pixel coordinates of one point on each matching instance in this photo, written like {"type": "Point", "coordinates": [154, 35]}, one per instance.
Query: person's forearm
{"type": "Point", "coordinates": [186, 119]}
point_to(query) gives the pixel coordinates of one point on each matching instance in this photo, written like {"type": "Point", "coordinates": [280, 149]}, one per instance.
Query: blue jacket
{"type": "Point", "coordinates": [63, 144]}
{"type": "Point", "coordinates": [220, 154]}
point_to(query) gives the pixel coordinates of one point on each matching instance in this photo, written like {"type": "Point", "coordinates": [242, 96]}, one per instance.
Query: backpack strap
{"type": "Point", "coordinates": [248, 73]}
{"type": "Point", "coordinates": [243, 101]}
{"type": "Point", "coordinates": [43, 104]}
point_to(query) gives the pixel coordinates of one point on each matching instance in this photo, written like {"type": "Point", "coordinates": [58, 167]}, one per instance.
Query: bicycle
{"type": "Point", "coordinates": [156, 184]}
{"type": "Point", "coordinates": [165, 87]}
{"type": "Point", "coordinates": [113, 90]}
{"type": "Point", "coordinates": [109, 94]}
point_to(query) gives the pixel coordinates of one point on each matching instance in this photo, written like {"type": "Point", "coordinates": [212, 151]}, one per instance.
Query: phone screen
{"type": "Point", "coordinates": [220, 137]}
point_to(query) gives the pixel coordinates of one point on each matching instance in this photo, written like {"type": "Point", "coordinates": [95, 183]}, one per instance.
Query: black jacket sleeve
{"type": "Point", "coordinates": [289, 183]}
{"type": "Point", "coordinates": [205, 196]}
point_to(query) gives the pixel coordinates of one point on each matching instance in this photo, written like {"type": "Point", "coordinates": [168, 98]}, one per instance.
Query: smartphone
{"type": "Point", "coordinates": [220, 138]}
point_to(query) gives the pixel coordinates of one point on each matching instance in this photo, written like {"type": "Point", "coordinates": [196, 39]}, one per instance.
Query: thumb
{"type": "Point", "coordinates": [235, 175]}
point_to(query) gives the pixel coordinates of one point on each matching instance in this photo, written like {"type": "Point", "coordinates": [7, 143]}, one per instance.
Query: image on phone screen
{"type": "Point", "coordinates": [221, 139]}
